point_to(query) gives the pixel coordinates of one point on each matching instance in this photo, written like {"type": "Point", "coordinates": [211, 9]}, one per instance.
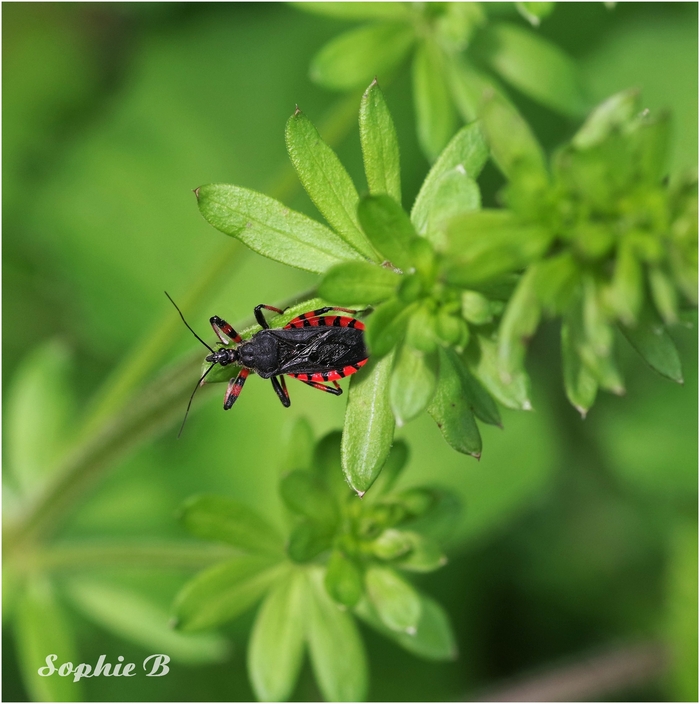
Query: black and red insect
{"type": "Point", "coordinates": [313, 347]}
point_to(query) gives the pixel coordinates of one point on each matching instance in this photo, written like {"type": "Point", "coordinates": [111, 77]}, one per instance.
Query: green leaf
{"type": "Point", "coordinates": [352, 59]}
{"type": "Point", "coordinates": [482, 360]}
{"type": "Point", "coordinates": [130, 616]}
{"type": "Point", "coordinates": [433, 639]}
{"type": "Point", "coordinates": [534, 66]}
{"type": "Point", "coordinates": [396, 602]}
{"type": "Point", "coordinates": [328, 466]}
{"type": "Point", "coordinates": [276, 644]}
{"type": "Point", "coordinates": [358, 282]}
{"type": "Point", "coordinates": [534, 12]}
{"type": "Point", "coordinates": [306, 495]}
{"type": "Point", "coordinates": [514, 147]}
{"type": "Point", "coordinates": [556, 282]}
{"type": "Point", "coordinates": [271, 229]}
{"type": "Point", "coordinates": [451, 410]}
{"type": "Point", "coordinates": [369, 425]}
{"type": "Point", "coordinates": [224, 591]}
{"type": "Point", "coordinates": [296, 445]}
{"type": "Point", "coordinates": [627, 283]}
{"type": "Point", "coordinates": [220, 518]}
{"type": "Point", "coordinates": [485, 244]}
{"type": "Point", "coordinates": [579, 383]}
{"type": "Point", "coordinates": [435, 114]}
{"type": "Point", "coordinates": [652, 138]}
{"type": "Point", "coordinates": [439, 518]}
{"type": "Point", "coordinates": [468, 150]}
{"type": "Point", "coordinates": [336, 649]}
{"type": "Point", "coordinates": [611, 115]}
{"type": "Point", "coordinates": [387, 325]}
{"type": "Point", "coordinates": [343, 579]}
{"type": "Point", "coordinates": [390, 544]}
{"type": "Point", "coordinates": [650, 338]}
{"type": "Point", "coordinates": [664, 295]}
{"type": "Point", "coordinates": [39, 407]}
{"type": "Point", "coordinates": [413, 383]}
{"type": "Point", "coordinates": [355, 10]}
{"type": "Point", "coordinates": [308, 539]}
{"type": "Point", "coordinates": [479, 400]}
{"type": "Point", "coordinates": [380, 147]}
{"type": "Point", "coordinates": [41, 630]}
{"type": "Point", "coordinates": [398, 457]}
{"type": "Point", "coordinates": [469, 87]}
{"type": "Point", "coordinates": [518, 325]}
{"type": "Point", "coordinates": [388, 228]}
{"type": "Point", "coordinates": [326, 181]}
{"type": "Point", "coordinates": [424, 554]}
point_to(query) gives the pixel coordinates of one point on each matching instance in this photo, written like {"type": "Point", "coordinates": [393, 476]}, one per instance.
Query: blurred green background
{"type": "Point", "coordinates": [576, 536]}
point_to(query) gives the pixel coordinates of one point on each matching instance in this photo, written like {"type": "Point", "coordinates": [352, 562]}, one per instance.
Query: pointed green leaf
{"type": "Point", "coordinates": [369, 425]}
{"type": "Point", "coordinates": [328, 466]}
{"type": "Point", "coordinates": [358, 282]}
{"type": "Point", "coordinates": [131, 616]}
{"type": "Point", "coordinates": [451, 410]}
{"type": "Point", "coordinates": [355, 10]}
{"type": "Point", "coordinates": [271, 229]}
{"type": "Point", "coordinates": [224, 591]}
{"type": "Point", "coordinates": [556, 282]}
{"type": "Point", "coordinates": [579, 383]}
{"type": "Point", "coordinates": [296, 445]}
{"type": "Point", "coordinates": [227, 520]}
{"type": "Point", "coordinates": [535, 12]}
{"type": "Point", "coordinates": [424, 554]}
{"type": "Point", "coordinates": [435, 113]}
{"type": "Point", "coordinates": [534, 66]}
{"type": "Point", "coordinates": [306, 495]}
{"type": "Point", "coordinates": [380, 148]}
{"type": "Point", "coordinates": [343, 579]}
{"type": "Point", "coordinates": [514, 147]}
{"type": "Point", "coordinates": [650, 338]}
{"type": "Point", "coordinates": [413, 383]}
{"type": "Point", "coordinates": [607, 117]}
{"type": "Point", "coordinates": [386, 327]}
{"type": "Point", "coordinates": [396, 602]}
{"type": "Point", "coordinates": [276, 644]}
{"type": "Point", "coordinates": [627, 283]}
{"type": "Point", "coordinates": [663, 292]}
{"type": "Point", "coordinates": [469, 88]}
{"type": "Point", "coordinates": [398, 457]}
{"type": "Point", "coordinates": [479, 400]}
{"type": "Point", "coordinates": [352, 59]}
{"type": "Point", "coordinates": [336, 649]}
{"type": "Point", "coordinates": [388, 228]}
{"type": "Point", "coordinates": [41, 629]}
{"type": "Point", "coordinates": [308, 539]}
{"type": "Point", "coordinates": [391, 544]}
{"type": "Point", "coordinates": [439, 518]}
{"type": "Point", "coordinates": [433, 640]}
{"type": "Point", "coordinates": [326, 181]}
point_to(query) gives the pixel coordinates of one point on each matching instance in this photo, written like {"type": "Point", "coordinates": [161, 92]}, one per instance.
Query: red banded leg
{"type": "Point", "coordinates": [261, 318]}
{"type": "Point", "coordinates": [233, 391]}
{"type": "Point", "coordinates": [322, 387]}
{"type": "Point", "coordinates": [280, 387]}
{"type": "Point", "coordinates": [317, 318]}
{"type": "Point", "coordinates": [221, 328]}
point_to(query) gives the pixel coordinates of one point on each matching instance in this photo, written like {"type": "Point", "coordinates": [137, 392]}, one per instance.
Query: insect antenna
{"type": "Point", "coordinates": [188, 327]}
{"type": "Point", "coordinates": [189, 403]}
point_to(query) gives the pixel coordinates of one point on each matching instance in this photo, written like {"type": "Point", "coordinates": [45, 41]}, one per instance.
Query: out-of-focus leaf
{"type": "Point", "coordinates": [271, 229]}
{"type": "Point", "coordinates": [440, 517]}
{"type": "Point", "coordinates": [326, 181]}
{"type": "Point", "coordinates": [391, 544]}
{"type": "Point", "coordinates": [39, 405]}
{"type": "Point", "coordinates": [388, 228]}
{"type": "Point", "coordinates": [343, 579]}
{"type": "Point", "coordinates": [386, 327]}
{"type": "Point", "coordinates": [435, 114]}
{"type": "Point", "coordinates": [469, 88]}
{"type": "Point", "coordinates": [296, 445]}
{"type": "Point", "coordinates": [482, 360]}
{"type": "Point", "coordinates": [41, 630]}
{"type": "Point", "coordinates": [580, 385]}
{"type": "Point", "coordinates": [336, 649]}
{"type": "Point", "coordinates": [134, 618]}
{"type": "Point", "coordinates": [306, 495]}
{"type": "Point", "coordinates": [535, 12]}
{"type": "Point", "coordinates": [396, 602]}
{"type": "Point", "coordinates": [308, 539]}
{"type": "Point", "coordinates": [610, 115]}
{"type": "Point", "coordinates": [227, 520]}
{"type": "Point", "coordinates": [328, 466]}
{"type": "Point", "coordinates": [424, 554]}
{"type": "Point", "coordinates": [224, 591]}
{"type": "Point", "coordinates": [380, 148]}
{"type": "Point", "coordinates": [369, 425]}
{"type": "Point", "coordinates": [352, 59]}
{"type": "Point", "coordinates": [356, 10]}
{"type": "Point", "coordinates": [467, 149]}
{"type": "Point", "coordinates": [421, 332]}
{"type": "Point", "coordinates": [627, 284]}
{"type": "Point", "coordinates": [394, 464]}
{"type": "Point", "coordinates": [451, 410]}
{"type": "Point", "coordinates": [650, 338]}
{"type": "Point", "coordinates": [485, 244]}
{"type": "Point", "coordinates": [556, 282]}
{"type": "Point", "coordinates": [652, 137]}
{"type": "Point", "coordinates": [514, 147]}
{"type": "Point", "coordinates": [433, 639]}
{"type": "Point", "coordinates": [413, 383]}
{"type": "Point", "coordinates": [476, 308]}
{"type": "Point", "coordinates": [664, 294]}
{"type": "Point", "coordinates": [480, 401]}
{"type": "Point", "coordinates": [276, 644]}
{"type": "Point", "coordinates": [534, 66]}
{"type": "Point", "coordinates": [358, 282]}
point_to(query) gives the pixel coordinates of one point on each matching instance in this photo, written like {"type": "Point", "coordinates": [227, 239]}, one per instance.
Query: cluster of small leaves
{"type": "Point", "coordinates": [603, 239]}
{"type": "Point", "coordinates": [458, 52]}
{"type": "Point", "coordinates": [343, 558]}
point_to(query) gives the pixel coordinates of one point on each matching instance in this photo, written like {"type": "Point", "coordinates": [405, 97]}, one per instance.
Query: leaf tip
{"type": "Point", "coordinates": [411, 631]}
{"type": "Point", "coordinates": [196, 192]}
{"type": "Point", "coordinates": [297, 110]}
{"type": "Point", "coordinates": [527, 406]}
{"type": "Point", "coordinates": [476, 456]}
{"type": "Point", "coordinates": [174, 623]}
{"type": "Point", "coordinates": [359, 493]}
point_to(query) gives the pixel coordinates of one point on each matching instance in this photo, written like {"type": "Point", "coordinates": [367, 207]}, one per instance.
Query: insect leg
{"type": "Point", "coordinates": [233, 390]}
{"type": "Point", "coordinates": [261, 318]}
{"type": "Point", "coordinates": [322, 387]}
{"type": "Point", "coordinates": [221, 326]}
{"type": "Point", "coordinates": [306, 318]}
{"type": "Point", "coordinates": [280, 387]}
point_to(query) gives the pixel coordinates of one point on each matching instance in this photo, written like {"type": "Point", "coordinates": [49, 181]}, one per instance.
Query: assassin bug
{"type": "Point", "coordinates": [313, 347]}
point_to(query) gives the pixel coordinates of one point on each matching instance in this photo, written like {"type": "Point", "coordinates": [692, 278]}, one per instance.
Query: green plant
{"type": "Point", "coordinates": [342, 558]}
